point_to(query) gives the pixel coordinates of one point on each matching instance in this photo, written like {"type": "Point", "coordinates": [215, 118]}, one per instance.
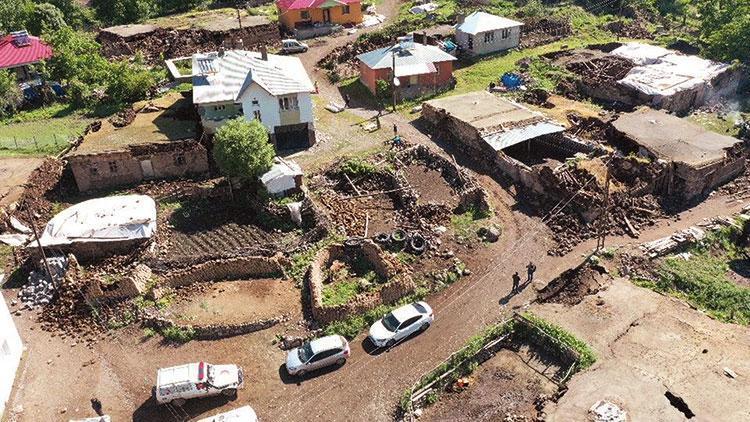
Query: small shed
{"type": "Point", "coordinates": [484, 33]}
{"type": "Point", "coordinates": [284, 177]}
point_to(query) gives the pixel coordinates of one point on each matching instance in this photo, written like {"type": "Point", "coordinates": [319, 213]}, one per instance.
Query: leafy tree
{"type": "Point", "coordinates": [46, 17]}
{"type": "Point", "coordinates": [129, 82]}
{"type": "Point", "coordinates": [725, 28]}
{"type": "Point", "coordinates": [241, 148]}
{"type": "Point", "coordinates": [76, 15]}
{"type": "Point", "coordinates": [175, 6]}
{"type": "Point", "coordinates": [15, 14]}
{"type": "Point", "coordinates": [118, 12]}
{"type": "Point", "coordinates": [11, 96]}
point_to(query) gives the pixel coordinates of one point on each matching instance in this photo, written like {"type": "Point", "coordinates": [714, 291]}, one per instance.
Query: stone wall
{"type": "Point", "coordinates": [226, 269]}
{"type": "Point", "coordinates": [132, 285]}
{"type": "Point", "coordinates": [216, 331]}
{"type": "Point", "coordinates": [398, 284]}
{"type": "Point", "coordinates": [158, 44]}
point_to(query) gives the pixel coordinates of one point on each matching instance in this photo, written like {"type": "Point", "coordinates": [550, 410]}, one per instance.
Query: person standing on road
{"type": "Point", "coordinates": [395, 130]}
{"type": "Point", "coordinates": [347, 100]}
{"type": "Point", "coordinates": [97, 406]}
{"type": "Point", "coordinates": [530, 269]}
{"type": "Point", "coordinates": [516, 282]}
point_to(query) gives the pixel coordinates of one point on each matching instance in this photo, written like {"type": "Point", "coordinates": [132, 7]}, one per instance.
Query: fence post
{"type": "Point", "coordinates": [35, 144]}
{"type": "Point", "coordinates": [15, 141]}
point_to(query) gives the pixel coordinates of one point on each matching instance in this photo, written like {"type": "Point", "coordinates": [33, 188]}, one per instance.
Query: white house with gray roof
{"type": "Point", "coordinates": [484, 33]}
{"type": "Point", "coordinates": [272, 89]}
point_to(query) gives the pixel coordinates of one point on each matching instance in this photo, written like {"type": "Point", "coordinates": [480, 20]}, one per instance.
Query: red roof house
{"type": "Point", "coordinates": [19, 49]}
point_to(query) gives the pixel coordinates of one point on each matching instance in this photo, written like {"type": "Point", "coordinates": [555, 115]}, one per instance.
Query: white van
{"type": "Point", "coordinates": [242, 414]}
{"type": "Point", "coordinates": [192, 380]}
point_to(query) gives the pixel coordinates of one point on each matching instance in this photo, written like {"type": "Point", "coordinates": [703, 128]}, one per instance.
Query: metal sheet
{"type": "Point", "coordinates": [502, 140]}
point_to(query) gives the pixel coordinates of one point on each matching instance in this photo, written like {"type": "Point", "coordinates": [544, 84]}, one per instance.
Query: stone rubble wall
{"type": "Point", "coordinates": [217, 331]}
{"type": "Point", "coordinates": [227, 269]}
{"type": "Point", "coordinates": [135, 284]}
{"type": "Point", "coordinates": [399, 283]}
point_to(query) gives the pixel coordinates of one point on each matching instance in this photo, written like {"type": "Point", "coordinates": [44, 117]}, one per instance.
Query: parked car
{"type": "Point", "coordinates": [192, 380]}
{"type": "Point", "coordinates": [290, 46]}
{"type": "Point", "coordinates": [316, 354]}
{"type": "Point", "coordinates": [401, 323]}
{"type": "Point", "coordinates": [241, 414]}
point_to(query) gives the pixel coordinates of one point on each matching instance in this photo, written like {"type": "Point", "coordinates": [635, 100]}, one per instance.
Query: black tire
{"type": "Point", "coordinates": [301, 373]}
{"type": "Point", "coordinates": [390, 343]}
{"type": "Point", "coordinates": [341, 362]}
{"type": "Point", "coordinates": [424, 326]}
{"type": "Point", "coordinates": [178, 402]}
{"type": "Point", "coordinates": [229, 392]}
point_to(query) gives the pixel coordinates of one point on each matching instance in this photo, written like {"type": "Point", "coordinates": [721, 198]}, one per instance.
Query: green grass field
{"type": "Point", "coordinates": [40, 132]}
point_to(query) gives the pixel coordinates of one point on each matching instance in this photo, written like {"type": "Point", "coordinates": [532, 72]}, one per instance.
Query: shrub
{"type": "Point", "coordinates": [46, 17]}
{"type": "Point", "coordinates": [128, 82]}
{"type": "Point", "coordinates": [241, 149]}
{"type": "Point", "coordinates": [178, 334]}
{"type": "Point", "coordinates": [358, 167]}
{"type": "Point", "coordinates": [11, 96]}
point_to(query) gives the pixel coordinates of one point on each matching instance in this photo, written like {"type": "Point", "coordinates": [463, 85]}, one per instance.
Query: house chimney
{"type": "Point", "coordinates": [263, 53]}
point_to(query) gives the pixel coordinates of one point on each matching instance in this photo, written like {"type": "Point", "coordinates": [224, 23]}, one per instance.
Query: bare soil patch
{"type": "Point", "coordinates": [229, 302]}
{"type": "Point", "coordinates": [503, 387]}
{"type": "Point", "coordinates": [431, 185]}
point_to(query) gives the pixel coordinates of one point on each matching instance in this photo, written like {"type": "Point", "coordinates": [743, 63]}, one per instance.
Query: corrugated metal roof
{"type": "Point", "coordinates": [14, 54]}
{"type": "Point", "coordinates": [221, 79]}
{"type": "Point", "coordinates": [502, 140]}
{"type": "Point", "coordinates": [479, 22]}
{"type": "Point", "coordinates": [382, 58]}
{"type": "Point", "coordinates": [311, 4]}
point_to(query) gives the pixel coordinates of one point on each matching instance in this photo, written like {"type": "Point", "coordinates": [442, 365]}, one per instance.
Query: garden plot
{"type": "Point", "coordinates": [233, 302]}
{"type": "Point", "coordinates": [503, 388]}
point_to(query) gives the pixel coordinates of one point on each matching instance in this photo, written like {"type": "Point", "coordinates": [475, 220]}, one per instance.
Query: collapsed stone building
{"type": "Point", "coordinates": [697, 160]}
{"type": "Point", "coordinates": [157, 43]}
{"type": "Point", "coordinates": [636, 74]}
{"type": "Point", "coordinates": [157, 144]}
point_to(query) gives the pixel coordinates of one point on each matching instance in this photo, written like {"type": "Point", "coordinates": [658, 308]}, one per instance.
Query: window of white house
{"type": "Point", "coordinates": [506, 33]}
{"type": "Point", "coordinates": [489, 37]}
{"type": "Point", "coordinates": [305, 15]}
{"type": "Point", "coordinates": [255, 102]}
{"type": "Point", "coordinates": [113, 167]}
{"type": "Point", "coordinates": [345, 9]}
{"type": "Point", "coordinates": [256, 113]}
{"type": "Point", "coordinates": [288, 103]}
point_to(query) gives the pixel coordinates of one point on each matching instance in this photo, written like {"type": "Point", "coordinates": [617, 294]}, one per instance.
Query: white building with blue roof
{"type": "Point", "coordinates": [483, 33]}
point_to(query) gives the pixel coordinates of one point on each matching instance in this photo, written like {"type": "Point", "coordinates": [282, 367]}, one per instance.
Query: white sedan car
{"type": "Point", "coordinates": [401, 323]}
{"type": "Point", "coordinates": [316, 354]}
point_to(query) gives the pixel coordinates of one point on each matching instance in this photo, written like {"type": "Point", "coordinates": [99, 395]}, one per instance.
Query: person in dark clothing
{"type": "Point", "coordinates": [347, 100]}
{"type": "Point", "coordinates": [530, 269]}
{"type": "Point", "coordinates": [97, 406]}
{"type": "Point", "coordinates": [516, 281]}
{"type": "Point", "coordinates": [395, 130]}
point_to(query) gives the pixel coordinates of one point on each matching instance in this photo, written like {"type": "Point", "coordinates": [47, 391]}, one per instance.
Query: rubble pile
{"type": "Point", "coordinates": [123, 118]}
{"type": "Point", "coordinates": [590, 128]}
{"type": "Point", "coordinates": [602, 69]}
{"type": "Point", "coordinates": [574, 284]}
{"type": "Point", "coordinates": [47, 177]}
{"type": "Point", "coordinates": [629, 29]}
{"type": "Point", "coordinates": [39, 290]}
{"type": "Point", "coordinates": [541, 31]}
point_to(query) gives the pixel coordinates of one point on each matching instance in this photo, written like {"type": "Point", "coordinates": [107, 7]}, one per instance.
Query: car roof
{"type": "Point", "coordinates": [326, 343]}
{"type": "Point", "coordinates": [405, 312]}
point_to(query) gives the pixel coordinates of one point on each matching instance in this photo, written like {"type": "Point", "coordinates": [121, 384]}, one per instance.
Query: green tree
{"type": "Point", "coordinates": [15, 15]}
{"type": "Point", "coordinates": [76, 57]}
{"type": "Point", "coordinates": [118, 12]}
{"type": "Point", "coordinates": [725, 28]}
{"type": "Point", "coordinates": [241, 149]}
{"type": "Point", "coordinates": [76, 15]}
{"type": "Point", "coordinates": [11, 96]}
{"type": "Point", "coordinates": [175, 6]}
{"type": "Point", "coordinates": [129, 82]}
{"type": "Point", "coordinates": [46, 17]}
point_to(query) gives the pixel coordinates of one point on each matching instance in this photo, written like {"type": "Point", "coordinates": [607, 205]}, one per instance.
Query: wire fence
{"type": "Point", "coordinates": [40, 145]}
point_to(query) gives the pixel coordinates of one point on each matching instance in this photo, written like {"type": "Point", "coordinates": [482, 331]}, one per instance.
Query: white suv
{"type": "Point", "coordinates": [401, 323]}
{"type": "Point", "coordinates": [316, 354]}
{"type": "Point", "coordinates": [179, 383]}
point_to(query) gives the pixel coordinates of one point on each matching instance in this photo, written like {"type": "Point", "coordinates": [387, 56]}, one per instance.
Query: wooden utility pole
{"type": "Point", "coordinates": [39, 245]}
{"type": "Point", "coordinates": [393, 54]}
{"type": "Point", "coordinates": [239, 18]}
{"type": "Point", "coordinates": [604, 219]}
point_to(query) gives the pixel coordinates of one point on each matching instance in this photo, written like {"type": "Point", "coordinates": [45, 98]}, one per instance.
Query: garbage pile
{"type": "Point", "coordinates": [40, 290]}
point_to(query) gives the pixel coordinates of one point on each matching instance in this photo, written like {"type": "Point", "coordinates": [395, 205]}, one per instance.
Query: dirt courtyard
{"type": "Point", "coordinates": [652, 345]}
{"type": "Point", "coordinates": [503, 387]}
{"type": "Point", "coordinates": [13, 174]}
{"type": "Point", "coordinates": [234, 302]}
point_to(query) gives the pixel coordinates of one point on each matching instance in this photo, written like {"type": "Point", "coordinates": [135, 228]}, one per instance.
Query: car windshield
{"type": "Point", "coordinates": [305, 352]}
{"type": "Point", "coordinates": [421, 309]}
{"type": "Point", "coordinates": [390, 322]}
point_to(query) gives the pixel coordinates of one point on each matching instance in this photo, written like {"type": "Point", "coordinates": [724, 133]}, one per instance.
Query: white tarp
{"type": "Point", "coordinates": [282, 176]}
{"type": "Point", "coordinates": [109, 219]}
{"type": "Point", "coordinates": [661, 72]}
{"type": "Point", "coordinates": [14, 239]}
{"type": "Point", "coordinates": [242, 414]}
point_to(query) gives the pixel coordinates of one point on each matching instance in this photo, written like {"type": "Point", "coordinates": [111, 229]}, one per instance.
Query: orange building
{"type": "Point", "coordinates": [298, 13]}
{"type": "Point", "coordinates": [420, 68]}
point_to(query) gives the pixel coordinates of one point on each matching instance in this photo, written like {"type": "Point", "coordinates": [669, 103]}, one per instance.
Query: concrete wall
{"type": "Point", "coordinates": [290, 18]}
{"type": "Point", "coordinates": [497, 44]}
{"type": "Point", "coordinates": [93, 171]}
{"type": "Point", "coordinates": [11, 350]}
